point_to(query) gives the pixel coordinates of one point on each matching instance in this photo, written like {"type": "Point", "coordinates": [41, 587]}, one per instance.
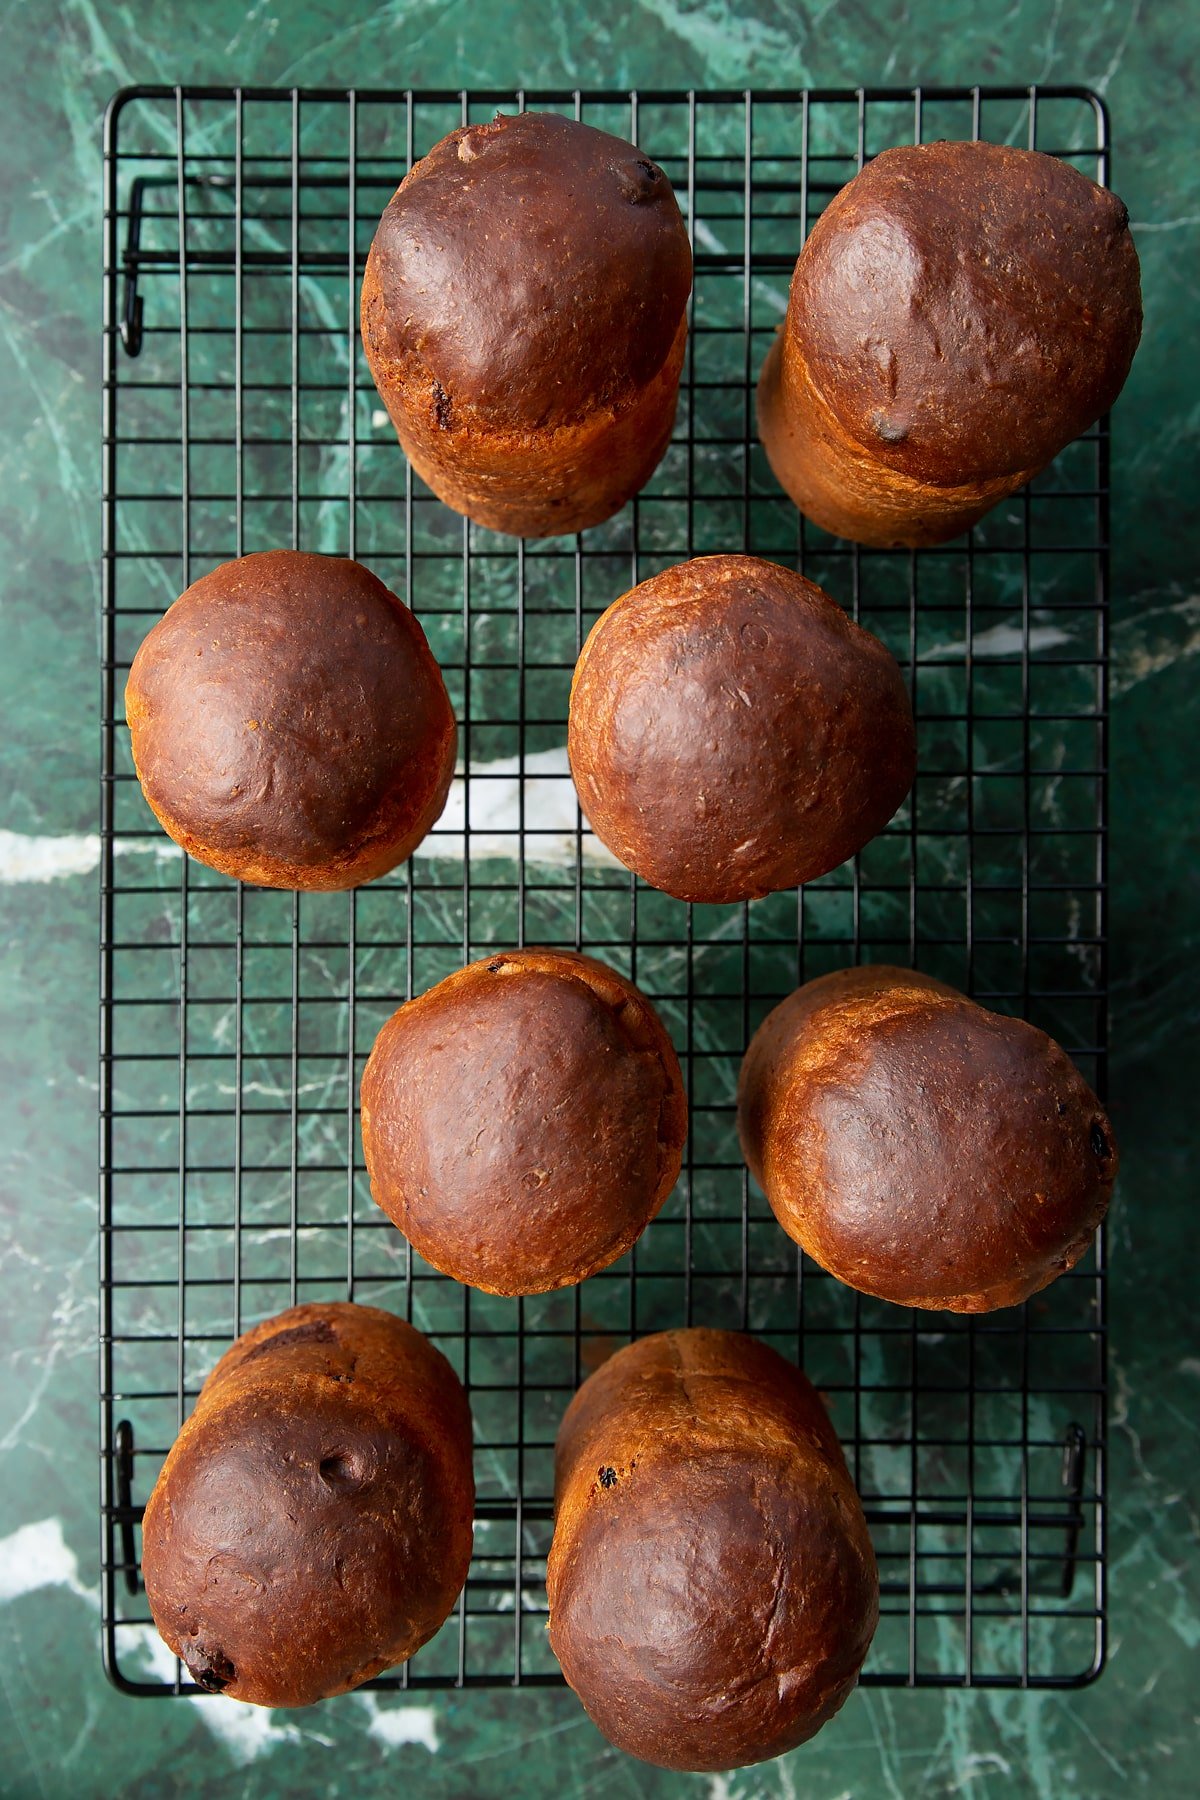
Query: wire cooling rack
{"type": "Point", "coordinates": [238, 416]}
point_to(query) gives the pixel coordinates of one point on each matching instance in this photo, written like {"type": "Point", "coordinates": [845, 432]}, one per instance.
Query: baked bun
{"type": "Point", "coordinates": [920, 1148]}
{"type": "Point", "coordinates": [312, 1522]}
{"type": "Point", "coordinates": [524, 314]}
{"type": "Point", "coordinates": [289, 723]}
{"type": "Point", "coordinates": [733, 732]}
{"type": "Point", "coordinates": [713, 1590]}
{"type": "Point", "coordinates": [958, 314]}
{"type": "Point", "coordinates": [523, 1121]}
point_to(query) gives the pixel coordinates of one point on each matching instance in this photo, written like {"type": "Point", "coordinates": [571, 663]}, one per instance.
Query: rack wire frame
{"type": "Point", "coordinates": [237, 414]}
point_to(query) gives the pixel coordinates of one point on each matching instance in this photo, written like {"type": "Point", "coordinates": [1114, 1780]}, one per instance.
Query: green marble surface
{"type": "Point", "coordinates": [65, 1732]}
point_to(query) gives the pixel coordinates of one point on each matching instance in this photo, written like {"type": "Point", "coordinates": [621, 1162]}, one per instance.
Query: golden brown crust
{"type": "Point", "coordinates": [524, 1120]}
{"type": "Point", "coordinates": [312, 1523]}
{"type": "Point", "coordinates": [712, 1585]}
{"type": "Point", "coordinates": [592, 220]}
{"type": "Point", "coordinates": [732, 732]}
{"type": "Point", "coordinates": [289, 724]}
{"type": "Point", "coordinates": [959, 313]}
{"type": "Point", "coordinates": [920, 1148]}
{"type": "Point", "coordinates": [524, 319]}
{"type": "Point", "coordinates": [843, 488]}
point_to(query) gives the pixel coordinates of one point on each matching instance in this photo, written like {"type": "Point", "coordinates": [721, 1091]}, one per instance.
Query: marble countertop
{"type": "Point", "coordinates": [64, 1730]}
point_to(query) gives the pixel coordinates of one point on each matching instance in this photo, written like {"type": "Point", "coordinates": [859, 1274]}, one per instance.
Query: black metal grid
{"type": "Point", "coordinates": [238, 415]}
